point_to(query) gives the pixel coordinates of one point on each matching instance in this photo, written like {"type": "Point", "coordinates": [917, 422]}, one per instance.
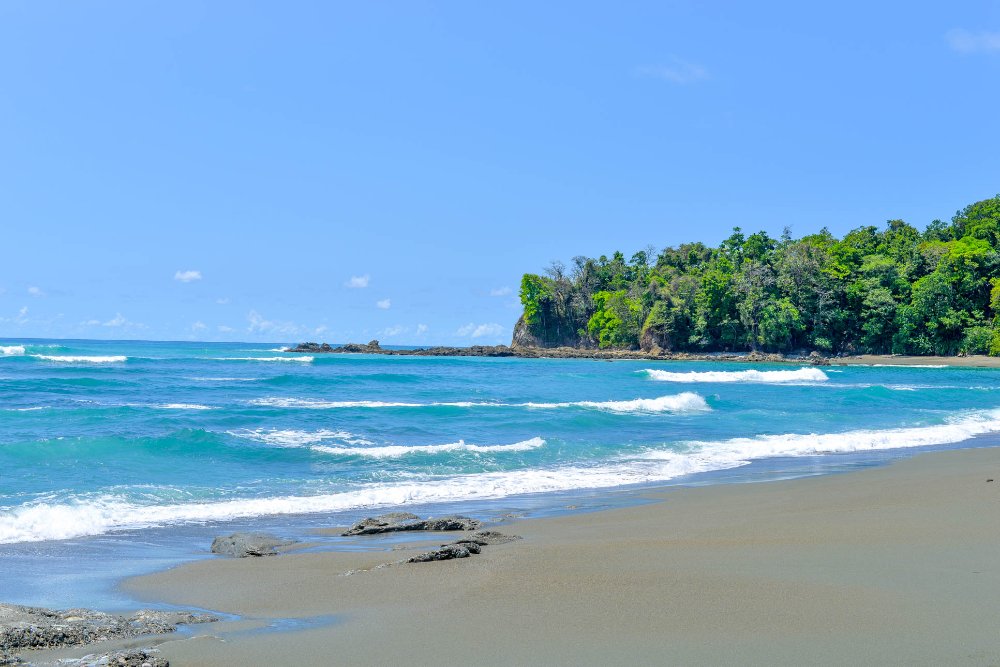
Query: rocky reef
{"type": "Point", "coordinates": [394, 522]}
{"type": "Point", "coordinates": [37, 628]}
{"type": "Point", "coordinates": [534, 352]}
{"type": "Point", "coordinates": [243, 545]}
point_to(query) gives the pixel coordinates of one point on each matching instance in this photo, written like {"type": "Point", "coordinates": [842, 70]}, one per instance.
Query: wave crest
{"type": "Point", "coordinates": [752, 375]}
{"type": "Point", "coordinates": [395, 451]}
{"type": "Point", "coordinates": [81, 359]}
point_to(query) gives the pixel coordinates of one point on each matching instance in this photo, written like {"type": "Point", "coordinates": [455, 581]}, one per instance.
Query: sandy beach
{"type": "Point", "coordinates": [890, 565]}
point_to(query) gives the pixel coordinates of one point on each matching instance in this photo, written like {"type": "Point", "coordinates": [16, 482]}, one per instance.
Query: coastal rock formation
{"type": "Point", "coordinates": [654, 351]}
{"type": "Point", "coordinates": [464, 547]}
{"type": "Point", "coordinates": [404, 521]}
{"type": "Point", "coordinates": [242, 545]}
{"type": "Point", "coordinates": [34, 627]}
{"type": "Point", "coordinates": [131, 658]}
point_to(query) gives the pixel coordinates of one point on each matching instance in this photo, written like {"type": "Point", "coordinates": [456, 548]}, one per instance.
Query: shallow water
{"type": "Point", "coordinates": [122, 457]}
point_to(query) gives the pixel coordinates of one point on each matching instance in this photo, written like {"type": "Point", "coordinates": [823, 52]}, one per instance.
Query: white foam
{"type": "Point", "coordinates": [395, 451]}
{"type": "Point", "coordinates": [183, 406]}
{"type": "Point", "coordinates": [98, 515]}
{"type": "Point", "coordinates": [769, 377]}
{"type": "Point", "coordinates": [295, 438]}
{"type": "Point", "coordinates": [95, 516]}
{"type": "Point", "coordinates": [224, 379]}
{"type": "Point", "coordinates": [11, 350]}
{"type": "Point", "coordinates": [742, 450]}
{"type": "Point", "coordinates": [32, 409]}
{"type": "Point", "coordinates": [81, 359]}
{"type": "Point", "coordinates": [304, 359]}
{"type": "Point", "coordinates": [685, 402]}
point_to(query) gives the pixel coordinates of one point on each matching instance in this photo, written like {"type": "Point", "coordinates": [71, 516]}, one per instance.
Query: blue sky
{"type": "Point", "coordinates": [345, 171]}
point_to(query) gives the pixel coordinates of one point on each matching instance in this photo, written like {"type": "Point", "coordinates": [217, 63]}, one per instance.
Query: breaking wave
{"type": "Point", "coordinates": [769, 377]}
{"type": "Point", "coordinates": [395, 451]}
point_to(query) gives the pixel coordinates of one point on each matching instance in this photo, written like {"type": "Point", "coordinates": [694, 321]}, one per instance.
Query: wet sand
{"type": "Point", "coordinates": [971, 361]}
{"type": "Point", "coordinates": [892, 565]}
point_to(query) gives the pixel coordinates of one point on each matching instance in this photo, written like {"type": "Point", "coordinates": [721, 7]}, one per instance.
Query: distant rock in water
{"type": "Point", "coordinates": [242, 545]}
{"type": "Point", "coordinates": [404, 521]}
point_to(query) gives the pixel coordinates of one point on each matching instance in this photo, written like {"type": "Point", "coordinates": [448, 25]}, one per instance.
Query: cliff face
{"type": "Point", "coordinates": [558, 335]}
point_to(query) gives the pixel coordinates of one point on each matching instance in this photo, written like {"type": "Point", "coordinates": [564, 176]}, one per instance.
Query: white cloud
{"type": "Point", "coordinates": [384, 304]}
{"type": "Point", "coordinates": [675, 71]}
{"type": "Point", "coordinates": [261, 325]}
{"type": "Point", "coordinates": [473, 330]}
{"type": "Point", "coordinates": [500, 291]}
{"type": "Point", "coordinates": [222, 301]}
{"type": "Point", "coordinates": [358, 282]}
{"type": "Point", "coordinates": [198, 326]}
{"type": "Point", "coordinates": [117, 321]}
{"type": "Point", "coordinates": [187, 276]}
{"type": "Point", "coordinates": [22, 315]}
{"type": "Point", "coordinates": [91, 323]}
{"type": "Point", "coordinates": [35, 291]}
{"type": "Point", "coordinates": [224, 329]}
{"type": "Point", "coordinates": [421, 329]}
{"type": "Point", "coordinates": [390, 332]}
{"type": "Point", "coordinates": [967, 41]}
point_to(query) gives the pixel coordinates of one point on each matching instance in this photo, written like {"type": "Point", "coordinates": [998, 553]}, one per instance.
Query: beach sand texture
{"type": "Point", "coordinates": [892, 565]}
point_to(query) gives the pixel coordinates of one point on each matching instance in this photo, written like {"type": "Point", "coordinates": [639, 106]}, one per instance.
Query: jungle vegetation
{"type": "Point", "coordinates": [879, 291]}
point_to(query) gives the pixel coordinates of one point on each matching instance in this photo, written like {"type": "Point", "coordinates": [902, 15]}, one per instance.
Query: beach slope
{"type": "Point", "coordinates": [892, 565]}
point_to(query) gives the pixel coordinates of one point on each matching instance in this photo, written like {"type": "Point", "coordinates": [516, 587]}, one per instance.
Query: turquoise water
{"type": "Point", "coordinates": [106, 445]}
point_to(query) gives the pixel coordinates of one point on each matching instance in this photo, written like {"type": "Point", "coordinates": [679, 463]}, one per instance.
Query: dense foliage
{"type": "Point", "coordinates": [895, 290]}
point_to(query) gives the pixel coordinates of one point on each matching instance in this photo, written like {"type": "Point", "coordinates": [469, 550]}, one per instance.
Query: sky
{"type": "Point", "coordinates": [337, 171]}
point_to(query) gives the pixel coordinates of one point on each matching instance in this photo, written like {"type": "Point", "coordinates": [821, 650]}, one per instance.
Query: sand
{"type": "Point", "coordinates": [891, 565]}
{"type": "Point", "coordinates": [970, 361]}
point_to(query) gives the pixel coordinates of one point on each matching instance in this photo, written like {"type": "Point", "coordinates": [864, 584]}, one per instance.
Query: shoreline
{"type": "Point", "coordinates": [894, 564]}
{"type": "Point", "coordinates": [521, 352]}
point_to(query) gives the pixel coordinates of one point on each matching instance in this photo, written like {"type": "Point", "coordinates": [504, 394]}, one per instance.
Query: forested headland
{"type": "Point", "coordinates": [889, 290]}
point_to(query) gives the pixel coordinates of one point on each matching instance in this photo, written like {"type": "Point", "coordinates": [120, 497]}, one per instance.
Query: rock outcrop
{"type": "Point", "coordinates": [404, 521]}
{"type": "Point", "coordinates": [35, 628]}
{"type": "Point", "coordinates": [243, 545]}
{"type": "Point", "coordinates": [465, 547]}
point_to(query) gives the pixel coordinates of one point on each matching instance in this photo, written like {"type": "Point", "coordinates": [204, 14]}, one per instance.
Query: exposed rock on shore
{"type": "Point", "coordinates": [242, 545]}
{"type": "Point", "coordinates": [404, 521]}
{"type": "Point", "coordinates": [464, 547]}
{"type": "Point", "coordinates": [35, 628]}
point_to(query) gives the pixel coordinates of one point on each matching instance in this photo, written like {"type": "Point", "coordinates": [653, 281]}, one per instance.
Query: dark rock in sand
{"type": "Point", "coordinates": [241, 545]}
{"type": "Point", "coordinates": [34, 627]}
{"type": "Point", "coordinates": [404, 521]}
{"type": "Point", "coordinates": [447, 552]}
{"type": "Point", "coordinates": [464, 547]}
{"type": "Point", "coordinates": [131, 658]}
{"type": "Point", "coordinates": [489, 537]}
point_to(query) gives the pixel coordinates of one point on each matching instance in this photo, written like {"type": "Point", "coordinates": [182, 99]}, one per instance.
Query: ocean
{"type": "Point", "coordinates": [121, 457]}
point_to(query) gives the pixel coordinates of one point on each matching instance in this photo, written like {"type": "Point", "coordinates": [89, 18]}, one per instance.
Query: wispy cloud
{"type": "Point", "coordinates": [967, 41]}
{"type": "Point", "coordinates": [421, 329]}
{"type": "Point", "coordinates": [500, 291]}
{"type": "Point", "coordinates": [675, 70]}
{"type": "Point", "coordinates": [384, 304]}
{"type": "Point", "coordinates": [391, 332]}
{"type": "Point", "coordinates": [358, 282]}
{"type": "Point", "coordinates": [222, 301]}
{"type": "Point", "coordinates": [198, 326]}
{"type": "Point", "coordinates": [187, 276]}
{"type": "Point", "coordinates": [35, 291]}
{"type": "Point", "coordinates": [473, 330]}
{"type": "Point", "coordinates": [222, 328]}
{"type": "Point", "coordinates": [258, 324]}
